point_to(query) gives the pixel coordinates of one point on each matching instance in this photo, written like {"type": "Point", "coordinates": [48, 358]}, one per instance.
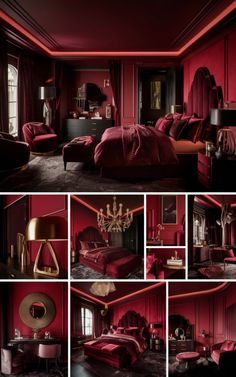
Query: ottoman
{"type": "Point", "coordinates": [80, 149]}
{"type": "Point", "coordinates": [184, 358]}
{"type": "Point", "coordinates": [120, 268]}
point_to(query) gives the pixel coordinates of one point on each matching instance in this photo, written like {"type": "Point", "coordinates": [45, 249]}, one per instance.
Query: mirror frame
{"type": "Point", "coordinates": [177, 331]}
{"type": "Point", "coordinates": [26, 317]}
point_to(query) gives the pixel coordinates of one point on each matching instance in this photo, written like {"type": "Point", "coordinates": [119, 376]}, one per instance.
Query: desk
{"type": "Point", "coordinates": [22, 341]}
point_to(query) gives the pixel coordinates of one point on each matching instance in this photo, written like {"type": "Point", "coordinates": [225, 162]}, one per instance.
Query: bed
{"type": "Point", "coordinates": [123, 347]}
{"type": "Point", "coordinates": [170, 148]}
{"type": "Point", "coordinates": [116, 262]}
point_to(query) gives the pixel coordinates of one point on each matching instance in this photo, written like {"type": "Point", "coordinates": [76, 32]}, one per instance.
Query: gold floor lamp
{"type": "Point", "coordinates": [45, 230]}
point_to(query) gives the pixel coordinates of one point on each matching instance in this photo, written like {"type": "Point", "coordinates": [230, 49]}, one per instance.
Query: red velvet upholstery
{"type": "Point", "coordinates": [121, 267]}
{"type": "Point", "coordinates": [80, 149]}
{"type": "Point", "coordinates": [218, 254]}
{"type": "Point", "coordinates": [40, 137]}
{"type": "Point", "coordinates": [12, 361]}
{"type": "Point", "coordinates": [154, 268]}
{"type": "Point", "coordinates": [187, 356]}
{"type": "Point", "coordinates": [115, 357]}
{"type": "Point", "coordinates": [229, 260]}
{"type": "Point", "coordinates": [219, 349]}
{"type": "Point", "coordinates": [13, 154]}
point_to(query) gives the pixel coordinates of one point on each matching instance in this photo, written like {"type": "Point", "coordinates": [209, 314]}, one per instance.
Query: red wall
{"type": "Point", "coordinates": [151, 306]}
{"type": "Point", "coordinates": [58, 292]}
{"type": "Point", "coordinates": [166, 253]}
{"type": "Point", "coordinates": [154, 217]}
{"type": "Point", "coordinates": [208, 313]}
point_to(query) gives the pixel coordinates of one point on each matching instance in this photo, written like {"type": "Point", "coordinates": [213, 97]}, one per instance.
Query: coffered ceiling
{"type": "Point", "coordinates": [104, 28]}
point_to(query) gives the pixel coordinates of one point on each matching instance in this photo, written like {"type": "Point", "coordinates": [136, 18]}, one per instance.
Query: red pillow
{"type": "Point", "coordinates": [40, 130]}
{"type": "Point", "coordinates": [119, 330]}
{"type": "Point", "coordinates": [133, 331]}
{"type": "Point", "coordinates": [228, 345]}
{"type": "Point", "coordinates": [230, 253]}
{"type": "Point", "coordinates": [163, 125]}
{"type": "Point", "coordinates": [177, 129]}
{"type": "Point", "coordinates": [177, 116]}
{"type": "Point", "coordinates": [193, 129]}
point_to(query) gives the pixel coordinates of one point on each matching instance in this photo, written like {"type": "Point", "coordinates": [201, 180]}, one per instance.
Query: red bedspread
{"type": "Point", "coordinates": [134, 145]}
{"type": "Point", "coordinates": [105, 254]}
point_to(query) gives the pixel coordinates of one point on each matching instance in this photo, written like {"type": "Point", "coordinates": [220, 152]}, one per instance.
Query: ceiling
{"type": "Point", "coordinates": [100, 201]}
{"type": "Point", "coordinates": [213, 201]}
{"type": "Point", "coordinates": [181, 289]}
{"type": "Point", "coordinates": [64, 27]}
{"type": "Point", "coordinates": [122, 289]}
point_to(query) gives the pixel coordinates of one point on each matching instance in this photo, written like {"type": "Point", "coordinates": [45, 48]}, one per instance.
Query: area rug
{"type": "Point", "coordinates": [46, 173]}
{"type": "Point", "coordinates": [79, 271]}
{"type": "Point", "coordinates": [52, 373]}
{"type": "Point", "coordinates": [228, 274]}
{"type": "Point", "coordinates": [202, 368]}
{"type": "Point", "coordinates": [149, 364]}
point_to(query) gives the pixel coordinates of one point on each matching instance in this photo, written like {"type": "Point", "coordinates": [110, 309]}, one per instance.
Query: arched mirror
{"type": "Point", "coordinates": [37, 310]}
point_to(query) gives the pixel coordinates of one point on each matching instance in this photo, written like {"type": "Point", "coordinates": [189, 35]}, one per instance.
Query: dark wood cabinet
{"type": "Point", "coordinates": [156, 344]}
{"type": "Point", "coordinates": [177, 346]}
{"type": "Point", "coordinates": [86, 127]}
{"type": "Point", "coordinates": [216, 173]}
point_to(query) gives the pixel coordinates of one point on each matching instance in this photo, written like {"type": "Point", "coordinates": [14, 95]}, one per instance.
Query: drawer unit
{"type": "Point", "coordinates": [177, 346]}
{"type": "Point", "coordinates": [86, 127]}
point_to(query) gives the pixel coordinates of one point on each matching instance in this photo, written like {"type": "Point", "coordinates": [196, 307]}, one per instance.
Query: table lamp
{"type": "Point", "coordinates": [225, 138]}
{"type": "Point", "coordinates": [45, 230]}
{"type": "Point", "coordinates": [154, 330]}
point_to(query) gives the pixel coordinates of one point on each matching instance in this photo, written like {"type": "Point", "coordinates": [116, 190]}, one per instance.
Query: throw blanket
{"type": "Point", "coordinates": [105, 254]}
{"type": "Point", "coordinates": [134, 145]}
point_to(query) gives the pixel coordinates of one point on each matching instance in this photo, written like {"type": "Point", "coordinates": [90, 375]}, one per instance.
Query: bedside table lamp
{"type": "Point", "coordinates": [154, 330]}
{"type": "Point", "coordinates": [45, 230]}
{"type": "Point", "coordinates": [225, 138]}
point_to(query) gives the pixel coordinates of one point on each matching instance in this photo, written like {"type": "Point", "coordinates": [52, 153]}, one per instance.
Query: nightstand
{"type": "Point", "coordinates": [216, 173]}
{"type": "Point", "coordinates": [156, 344]}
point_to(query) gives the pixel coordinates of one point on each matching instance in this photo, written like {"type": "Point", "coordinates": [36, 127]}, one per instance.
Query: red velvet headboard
{"type": "Point", "coordinates": [131, 318]}
{"type": "Point", "coordinates": [88, 234]}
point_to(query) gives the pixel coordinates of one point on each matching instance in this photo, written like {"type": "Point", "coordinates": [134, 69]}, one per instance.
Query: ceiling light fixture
{"type": "Point", "coordinates": [114, 220]}
{"type": "Point", "coordinates": [102, 288]}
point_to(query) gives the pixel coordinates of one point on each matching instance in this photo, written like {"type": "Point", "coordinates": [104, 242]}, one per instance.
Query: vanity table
{"type": "Point", "coordinates": [18, 342]}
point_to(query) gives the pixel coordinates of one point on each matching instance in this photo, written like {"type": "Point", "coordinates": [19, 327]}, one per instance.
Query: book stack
{"type": "Point", "coordinates": [175, 262]}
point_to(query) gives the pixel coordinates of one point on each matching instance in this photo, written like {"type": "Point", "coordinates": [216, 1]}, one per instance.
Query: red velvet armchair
{"type": "Point", "coordinates": [154, 269]}
{"type": "Point", "coordinates": [224, 355]}
{"type": "Point", "coordinates": [40, 137]}
{"type": "Point", "coordinates": [12, 361]}
{"type": "Point", "coordinates": [13, 154]}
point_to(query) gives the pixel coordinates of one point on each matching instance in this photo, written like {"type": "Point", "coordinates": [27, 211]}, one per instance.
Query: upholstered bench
{"type": "Point", "coordinates": [80, 149]}
{"type": "Point", "coordinates": [121, 267]}
{"type": "Point", "coordinates": [185, 358]}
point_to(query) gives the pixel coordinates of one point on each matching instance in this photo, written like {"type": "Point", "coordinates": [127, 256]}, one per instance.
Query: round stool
{"type": "Point", "coordinates": [185, 358]}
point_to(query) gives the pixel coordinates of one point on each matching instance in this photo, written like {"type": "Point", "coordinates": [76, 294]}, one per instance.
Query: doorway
{"type": "Point", "coordinates": [152, 95]}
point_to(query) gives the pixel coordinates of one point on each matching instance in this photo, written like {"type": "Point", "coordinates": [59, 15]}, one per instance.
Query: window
{"type": "Point", "coordinates": [199, 231]}
{"type": "Point", "coordinates": [12, 99]}
{"type": "Point", "coordinates": [87, 321]}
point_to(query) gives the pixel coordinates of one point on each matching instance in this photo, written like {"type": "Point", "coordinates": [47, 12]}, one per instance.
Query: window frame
{"type": "Point", "coordinates": [13, 66]}
{"type": "Point", "coordinates": [83, 320]}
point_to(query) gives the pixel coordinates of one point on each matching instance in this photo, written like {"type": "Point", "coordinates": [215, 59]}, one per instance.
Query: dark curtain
{"type": "Point", "coordinates": [4, 320]}
{"type": "Point", "coordinates": [58, 74]}
{"type": "Point", "coordinates": [115, 77]}
{"type": "Point", "coordinates": [27, 93]}
{"type": "Point", "coordinates": [76, 323]}
{"type": "Point", "coordinates": [4, 127]}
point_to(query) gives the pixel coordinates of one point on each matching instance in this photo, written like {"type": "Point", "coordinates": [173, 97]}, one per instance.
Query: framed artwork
{"type": "Point", "coordinates": [169, 209]}
{"type": "Point", "coordinates": [155, 95]}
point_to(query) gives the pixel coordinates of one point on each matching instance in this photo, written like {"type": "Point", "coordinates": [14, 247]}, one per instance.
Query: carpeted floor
{"type": "Point", "coordinates": [149, 364]}
{"type": "Point", "coordinates": [46, 173]}
{"type": "Point", "coordinates": [202, 368]}
{"type": "Point", "coordinates": [79, 271]}
{"type": "Point", "coordinates": [229, 273]}
{"type": "Point", "coordinates": [52, 373]}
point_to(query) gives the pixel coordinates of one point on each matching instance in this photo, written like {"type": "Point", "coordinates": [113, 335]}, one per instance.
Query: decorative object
{"type": "Point", "coordinates": [104, 311]}
{"type": "Point", "coordinates": [225, 218]}
{"type": "Point", "coordinates": [176, 109]}
{"type": "Point", "coordinates": [106, 83]}
{"type": "Point", "coordinates": [102, 288]}
{"type": "Point", "coordinates": [34, 321]}
{"type": "Point", "coordinates": [155, 95]}
{"type": "Point", "coordinates": [47, 93]}
{"type": "Point", "coordinates": [154, 330]}
{"type": "Point", "coordinates": [169, 209]}
{"type": "Point", "coordinates": [19, 245]}
{"type": "Point", "coordinates": [225, 118]}
{"type": "Point", "coordinates": [45, 230]}
{"type": "Point", "coordinates": [108, 111]}
{"type": "Point", "coordinates": [115, 220]}
{"type": "Point", "coordinates": [203, 333]}
{"type": "Point", "coordinates": [24, 256]}
{"type": "Point", "coordinates": [160, 227]}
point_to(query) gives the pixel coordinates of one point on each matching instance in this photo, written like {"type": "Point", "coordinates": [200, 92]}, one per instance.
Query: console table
{"type": "Point", "coordinates": [177, 346]}
{"type": "Point", "coordinates": [22, 341]}
{"type": "Point", "coordinates": [86, 127]}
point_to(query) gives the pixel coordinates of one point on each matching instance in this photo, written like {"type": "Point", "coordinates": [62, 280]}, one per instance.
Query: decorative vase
{"type": "Point", "coordinates": [24, 257]}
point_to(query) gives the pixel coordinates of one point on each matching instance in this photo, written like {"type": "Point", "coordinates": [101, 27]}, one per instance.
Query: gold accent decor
{"type": "Point", "coordinates": [114, 220]}
{"type": "Point", "coordinates": [46, 229]}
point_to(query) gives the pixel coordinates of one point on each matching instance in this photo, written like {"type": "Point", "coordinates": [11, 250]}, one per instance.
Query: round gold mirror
{"type": "Point", "coordinates": [37, 310]}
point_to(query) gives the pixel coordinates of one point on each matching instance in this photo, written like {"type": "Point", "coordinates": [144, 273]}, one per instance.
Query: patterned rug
{"type": "Point", "coordinates": [229, 273]}
{"type": "Point", "coordinates": [46, 173]}
{"type": "Point", "coordinates": [79, 271]}
{"type": "Point", "coordinates": [149, 364]}
{"type": "Point", "coordinates": [202, 368]}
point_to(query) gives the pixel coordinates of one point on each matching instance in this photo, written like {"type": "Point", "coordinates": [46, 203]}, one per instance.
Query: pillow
{"type": "Point", "coordinates": [177, 129]}
{"type": "Point", "coordinates": [40, 130]}
{"type": "Point", "coordinates": [228, 345]}
{"type": "Point", "coordinates": [133, 331]}
{"type": "Point", "coordinates": [230, 253]}
{"type": "Point", "coordinates": [163, 125]}
{"type": "Point", "coordinates": [100, 244]}
{"type": "Point", "coordinates": [193, 129]}
{"type": "Point", "coordinates": [83, 245]}
{"type": "Point", "coordinates": [177, 116]}
{"type": "Point", "coordinates": [169, 116]}
{"type": "Point", "coordinates": [119, 330]}
{"type": "Point", "coordinates": [91, 245]}
{"type": "Point", "coordinates": [149, 262]}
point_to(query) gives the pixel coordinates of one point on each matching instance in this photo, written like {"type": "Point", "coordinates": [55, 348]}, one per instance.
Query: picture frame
{"type": "Point", "coordinates": [169, 209]}
{"type": "Point", "coordinates": [155, 95]}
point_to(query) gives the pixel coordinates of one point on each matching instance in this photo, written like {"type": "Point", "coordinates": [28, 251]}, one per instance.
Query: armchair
{"type": "Point", "coordinates": [224, 354]}
{"type": "Point", "coordinates": [40, 137]}
{"type": "Point", "coordinates": [13, 154]}
{"type": "Point", "coordinates": [12, 361]}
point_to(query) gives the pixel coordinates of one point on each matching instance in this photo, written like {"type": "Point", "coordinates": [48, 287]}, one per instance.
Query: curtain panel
{"type": "Point", "coordinates": [115, 77]}
{"type": "Point", "coordinates": [4, 126]}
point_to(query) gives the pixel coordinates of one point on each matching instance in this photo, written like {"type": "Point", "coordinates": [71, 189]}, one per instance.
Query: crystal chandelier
{"type": "Point", "coordinates": [114, 220]}
{"type": "Point", "coordinates": [102, 288]}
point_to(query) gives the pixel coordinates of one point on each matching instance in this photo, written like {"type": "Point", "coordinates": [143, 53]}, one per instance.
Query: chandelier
{"type": "Point", "coordinates": [102, 288]}
{"type": "Point", "coordinates": [114, 220]}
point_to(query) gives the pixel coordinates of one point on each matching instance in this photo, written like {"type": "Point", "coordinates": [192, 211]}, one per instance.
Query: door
{"type": "Point", "coordinates": [152, 95]}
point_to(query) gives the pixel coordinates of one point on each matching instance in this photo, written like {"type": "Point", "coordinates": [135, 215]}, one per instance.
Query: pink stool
{"type": "Point", "coordinates": [185, 358]}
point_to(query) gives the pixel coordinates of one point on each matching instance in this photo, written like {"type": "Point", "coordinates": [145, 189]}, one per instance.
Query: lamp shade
{"type": "Point", "coordinates": [47, 92]}
{"type": "Point", "coordinates": [51, 228]}
{"type": "Point", "coordinates": [223, 117]}
{"type": "Point", "coordinates": [155, 326]}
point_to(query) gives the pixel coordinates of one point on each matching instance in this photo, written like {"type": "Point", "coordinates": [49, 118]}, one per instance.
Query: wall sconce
{"type": "Point", "coordinates": [45, 230]}
{"type": "Point", "coordinates": [106, 83]}
{"type": "Point", "coordinates": [203, 333]}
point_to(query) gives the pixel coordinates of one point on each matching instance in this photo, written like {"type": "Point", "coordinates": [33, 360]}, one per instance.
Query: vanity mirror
{"type": "Point", "coordinates": [37, 311]}
{"type": "Point", "coordinates": [179, 332]}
